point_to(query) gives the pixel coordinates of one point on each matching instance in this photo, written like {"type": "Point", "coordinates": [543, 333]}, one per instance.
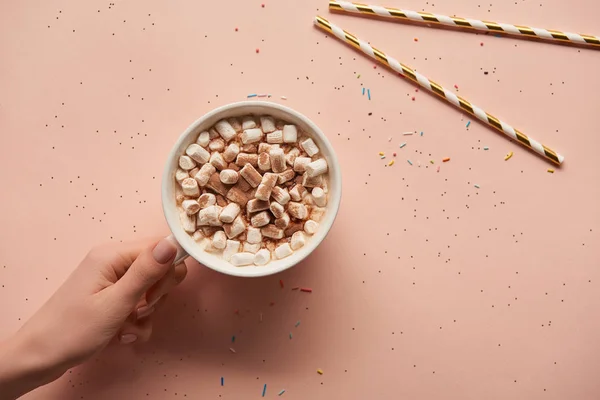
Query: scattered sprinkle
{"type": "Point", "coordinates": [413, 98]}
{"type": "Point", "coordinates": [394, 154]}
{"type": "Point", "coordinates": [486, 148]}
{"type": "Point", "coordinates": [280, 393]}
{"type": "Point", "coordinates": [296, 288]}
{"type": "Point", "coordinates": [438, 168]}
{"type": "Point", "coordinates": [391, 163]}
{"type": "Point", "coordinates": [410, 162]}
{"type": "Point", "coordinates": [231, 349]}
{"type": "Point", "coordinates": [416, 39]}
{"type": "Point", "coordinates": [281, 283]}
{"type": "Point", "coordinates": [407, 133]}
{"type": "Point", "coordinates": [305, 289]}
{"type": "Point", "coordinates": [381, 153]}
{"type": "Point", "coordinates": [262, 95]}
{"type": "Point", "coordinates": [233, 339]}
{"type": "Point", "coordinates": [550, 170]}
{"type": "Point", "coordinates": [320, 371]}
{"type": "Point", "coordinates": [283, 98]}
{"type": "Point", "coordinates": [402, 145]}
{"type": "Point", "coordinates": [222, 381]}
{"type": "Point", "coordinates": [431, 161]}
{"type": "Point", "coordinates": [446, 159]}
{"type": "Point", "coordinates": [297, 324]}
{"type": "Point", "coordinates": [455, 86]}
{"type": "Point", "coordinates": [290, 335]}
{"type": "Point", "coordinates": [272, 303]}
{"type": "Point", "coordinates": [468, 123]}
{"type": "Point", "coordinates": [481, 44]}
{"type": "Point", "coordinates": [264, 390]}
{"type": "Point", "coordinates": [263, 6]}
{"type": "Point", "coordinates": [508, 156]}
{"type": "Point", "coordinates": [369, 93]}
{"type": "Point", "coordinates": [485, 72]}
{"type": "Point", "coordinates": [236, 29]}
{"type": "Point", "coordinates": [476, 185]}
{"type": "Point", "coordinates": [358, 76]}
{"type": "Point", "coordinates": [375, 66]}
{"type": "Point", "coordinates": [257, 50]}
{"type": "Point", "coordinates": [417, 90]}
{"type": "Point", "coordinates": [382, 157]}
{"type": "Point", "coordinates": [252, 95]}
{"type": "Point", "coordinates": [364, 91]}
{"type": "Point", "coordinates": [421, 133]}
{"type": "Point", "coordinates": [236, 311]}
{"type": "Point", "coordinates": [389, 139]}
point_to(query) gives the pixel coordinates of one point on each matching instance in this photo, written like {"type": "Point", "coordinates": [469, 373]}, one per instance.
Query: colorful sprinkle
{"type": "Point", "coordinates": [455, 86]}
{"type": "Point", "coordinates": [233, 339]}
{"type": "Point", "coordinates": [431, 161]}
{"type": "Point", "coordinates": [252, 95]}
{"type": "Point", "coordinates": [305, 289]}
{"type": "Point", "coordinates": [290, 335]}
{"type": "Point", "coordinates": [410, 162]}
{"type": "Point", "coordinates": [438, 168]}
{"type": "Point", "coordinates": [222, 381]}
{"type": "Point", "coordinates": [281, 283]}
{"type": "Point", "coordinates": [364, 91]}
{"type": "Point", "coordinates": [257, 50]}
{"type": "Point", "coordinates": [231, 349]}
{"type": "Point", "coordinates": [416, 39]}
{"type": "Point", "coordinates": [358, 76]}
{"type": "Point", "coordinates": [382, 157]}
{"type": "Point", "coordinates": [320, 371]}
{"type": "Point", "coordinates": [381, 153]}
{"type": "Point", "coordinates": [476, 185]}
{"type": "Point", "coordinates": [394, 154]}
{"type": "Point", "coordinates": [413, 98]}
{"type": "Point", "coordinates": [263, 6]}
{"type": "Point", "coordinates": [407, 133]}
{"type": "Point", "coordinates": [297, 324]}
{"type": "Point", "coordinates": [550, 170]}
{"type": "Point", "coordinates": [264, 390]}
{"type": "Point", "coordinates": [421, 133]}
{"type": "Point", "coordinates": [369, 93]}
{"type": "Point", "coordinates": [280, 393]}
{"type": "Point", "coordinates": [468, 123]}
{"type": "Point", "coordinates": [402, 145]}
{"type": "Point", "coordinates": [446, 159]}
{"type": "Point", "coordinates": [262, 95]}
{"type": "Point", "coordinates": [486, 148]}
{"type": "Point", "coordinates": [296, 288]}
{"type": "Point", "coordinates": [391, 163]}
{"type": "Point", "coordinates": [508, 156]}
{"type": "Point", "coordinates": [283, 98]}
{"type": "Point", "coordinates": [389, 139]}
{"type": "Point", "coordinates": [236, 29]}
{"type": "Point", "coordinates": [481, 44]}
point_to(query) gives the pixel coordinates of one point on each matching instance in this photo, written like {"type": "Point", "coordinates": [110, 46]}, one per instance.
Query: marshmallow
{"type": "Point", "coordinates": [271, 231]}
{"type": "Point", "coordinates": [264, 162]}
{"type": "Point", "coordinates": [260, 219]}
{"type": "Point", "coordinates": [300, 164]}
{"type": "Point", "coordinates": [265, 147]}
{"type": "Point", "coordinates": [197, 153]}
{"type": "Point", "coordinates": [190, 187]}
{"type": "Point", "coordinates": [235, 228]}
{"type": "Point", "coordinates": [277, 209]}
{"type": "Point", "coordinates": [311, 227]}
{"type": "Point", "coordinates": [256, 205]}
{"type": "Point", "coordinates": [251, 247]}
{"type": "Point", "coordinates": [217, 144]}
{"type": "Point", "coordinates": [251, 175]}
{"type": "Point", "coordinates": [215, 184]}
{"type": "Point", "coordinates": [225, 130]}
{"type": "Point", "coordinates": [251, 135]}
{"type": "Point", "coordinates": [250, 148]}
{"type": "Point", "coordinates": [219, 240]}
{"type": "Point", "coordinates": [194, 171]}
{"type": "Point", "coordinates": [180, 175]}
{"type": "Point", "coordinates": [188, 222]}
{"type": "Point", "coordinates": [186, 163]}
{"type": "Point", "coordinates": [298, 240]}
{"type": "Point", "coordinates": [283, 222]}
{"type": "Point", "coordinates": [308, 200]}
{"type": "Point", "coordinates": [237, 196]}
{"type": "Point", "coordinates": [235, 124]}
{"type": "Point", "coordinates": [280, 195]}
{"type": "Point", "coordinates": [190, 206]}
{"type": "Point", "coordinates": [262, 257]}
{"type": "Point", "coordinates": [316, 214]}
{"type": "Point", "coordinates": [207, 200]}
{"type": "Point", "coordinates": [277, 160]}
{"type": "Point", "coordinates": [275, 137]}
{"type": "Point", "coordinates": [231, 248]}
{"type": "Point", "coordinates": [253, 235]}
{"type": "Point", "coordinates": [290, 134]}
{"type": "Point", "coordinates": [310, 147]}
{"type": "Point", "coordinates": [298, 192]}
{"type": "Point", "coordinates": [203, 176]}
{"type": "Point", "coordinates": [266, 186]}
{"type": "Point", "coordinates": [316, 168]}
{"type": "Point", "coordinates": [179, 198]}
{"type": "Point", "coordinates": [229, 176]}
{"type": "Point", "coordinates": [319, 196]}
{"type": "Point", "coordinates": [198, 236]}
{"type": "Point", "coordinates": [229, 213]}
{"type": "Point", "coordinates": [231, 152]}
{"type": "Point", "coordinates": [209, 216]}
{"type": "Point", "coordinates": [267, 124]}
{"type": "Point", "coordinates": [244, 158]}
{"type": "Point", "coordinates": [283, 251]}
{"type": "Point", "coordinates": [285, 176]}
{"type": "Point", "coordinates": [203, 139]}
{"type": "Point", "coordinates": [213, 134]}
{"type": "Point", "coordinates": [216, 159]}
{"type": "Point", "coordinates": [248, 123]}
{"type": "Point", "coordinates": [297, 210]}
{"type": "Point", "coordinates": [312, 182]}
{"type": "Point", "coordinates": [291, 156]}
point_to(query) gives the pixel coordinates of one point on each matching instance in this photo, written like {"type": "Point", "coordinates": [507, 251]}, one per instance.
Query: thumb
{"type": "Point", "coordinates": [147, 269]}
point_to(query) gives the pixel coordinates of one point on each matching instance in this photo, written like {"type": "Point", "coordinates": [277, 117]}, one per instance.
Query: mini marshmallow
{"type": "Point", "coordinates": [207, 200]}
{"type": "Point", "coordinates": [248, 123]}
{"type": "Point", "coordinates": [235, 124]}
{"type": "Point", "coordinates": [256, 205]}
{"type": "Point", "coordinates": [209, 216]}
{"type": "Point", "coordinates": [190, 187]}
{"type": "Point", "coordinates": [186, 163]}
{"type": "Point", "coordinates": [235, 228]}
{"type": "Point", "coordinates": [319, 196]}
{"type": "Point", "coordinates": [231, 152]}
{"type": "Point", "coordinates": [194, 171]}
{"type": "Point", "coordinates": [217, 144]}
{"type": "Point", "coordinates": [260, 219]}
{"type": "Point", "coordinates": [198, 236]}
{"type": "Point", "coordinates": [298, 192]}
{"type": "Point", "coordinates": [310, 147]}
{"type": "Point", "coordinates": [251, 247]}
{"type": "Point", "coordinates": [188, 222]}
{"type": "Point", "coordinates": [231, 248]}
{"type": "Point", "coordinates": [316, 214]}
{"type": "Point", "coordinates": [251, 175]}
{"type": "Point", "coordinates": [283, 222]}
{"type": "Point", "coordinates": [267, 124]}
{"type": "Point", "coordinates": [311, 227]}
{"type": "Point", "coordinates": [277, 209]}
{"type": "Point", "coordinates": [308, 200]}
{"type": "Point", "coordinates": [229, 213]}
{"type": "Point", "coordinates": [180, 175]}
{"type": "Point", "coordinates": [229, 176]}
{"type": "Point", "coordinates": [300, 164]}
{"type": "Point", "coordinates": [298, 240]}
{"type": "Point", "coordinates": [316, 168]}
{"type": "Point", "coordinates": [215, 184]}
{"type": "Point", "coordinates": [244, 158]}
{"type": "Point", "coordinates": [217, 160]}
{"type": "Point", "coordinates": [249, 148]}
{"type": "Point", "coordinates": [283, 251]}
{"type": "Point", "coordinates": [213, 134]}
{"type": "Point", "coordinates": [286, 176]}
{"type": "Point", "coordinates": [275, 137]}
{"type": "Point", "coordinates": [297, 210]}
{"type": "Point", "coordinates": [262, 257]}
{"type": "Point", "coordinates": [190, 206]}
{"type": "Point", "coordinates": [179, 198]}
{"type": "Point", "coordinates": [280, 195]}
{"type": "Point", "coordinates": [266, 186]}
{"type": "Point", "coordinates": [271, 231]}
{"type": "Point", "coordinates": [237, 196]}
{"type": "Point", "coordinates": [312, 182]}
{"type": "Point", "coordinates": [203, 139]}
{"type": "Point", "coordinates": [277, 160]}
{"type": "Point", "coordinates": [219, 240]}
{"type": "Point", "coordinates": [290, 134]}
{"type": "Point", "coordinates": [293, 228]}
{"type": "Point", "coordinates": [203, 176]}
{"type": "Point", "coordinates": [197, 153]}
{"type": "Point", "coordinates": [291, 156]}
{"type": "Point", "coordinates": [265, 147]}
{"type": "Point", "coordinates": [264, 162]}
{"type": "Point", "coordinates": [225, 130]}
{"type": "Point", "coordinates": [253, 235]}
{"type": "Point", "coordinates": [251, 135]}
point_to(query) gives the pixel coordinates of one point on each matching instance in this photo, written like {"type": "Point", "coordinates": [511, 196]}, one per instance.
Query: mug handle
{"type": "Point", "coordinates": [181, 253]}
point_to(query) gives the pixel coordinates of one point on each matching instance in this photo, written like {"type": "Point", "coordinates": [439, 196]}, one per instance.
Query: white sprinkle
{"type": "Point", "coordinates": [283, 98]}
{"type": "Point", "coordinates": [390, 139]}
{"type": "Point", "coordinates": [408, 133]}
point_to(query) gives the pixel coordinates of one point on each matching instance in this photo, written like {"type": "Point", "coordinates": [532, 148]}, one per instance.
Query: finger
{"type": "Point", "coordinates": [148, 268]}
{"type": "Point", "coordinates": [139, 331]}
{"type": "Point", "coordinates": [166, 284]}
{"type": "Point", "coordinates": [145, 311]}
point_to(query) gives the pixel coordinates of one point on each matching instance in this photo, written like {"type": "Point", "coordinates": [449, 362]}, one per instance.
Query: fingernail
{"type": "Point", "coordinates": [128, 338]}
{"type": "Point", "coordinates": [164, 251]}
{"type": "Point", "coordinates": [144, 311]}
{"type": "Point", "coordinates": [153, 303]}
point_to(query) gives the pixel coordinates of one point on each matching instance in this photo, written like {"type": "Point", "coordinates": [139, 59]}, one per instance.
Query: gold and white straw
{"type": "Point", "coordinates": [436, 88]}
{"type": "Point", "coordinates": [465, 23]}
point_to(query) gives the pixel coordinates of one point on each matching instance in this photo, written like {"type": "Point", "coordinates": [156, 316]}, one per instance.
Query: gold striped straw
{"type": "Point", "coordinates": [436, 88]}
{"type": "Point", "coordinates": [550, 35]}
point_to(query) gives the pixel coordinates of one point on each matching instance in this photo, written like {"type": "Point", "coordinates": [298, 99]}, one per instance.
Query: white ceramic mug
{"type": "Point", "coordinates": [187, 246]}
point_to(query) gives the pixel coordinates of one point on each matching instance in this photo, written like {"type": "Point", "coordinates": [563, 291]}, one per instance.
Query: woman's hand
{"type": "Point", "coordinates": [110, 296]}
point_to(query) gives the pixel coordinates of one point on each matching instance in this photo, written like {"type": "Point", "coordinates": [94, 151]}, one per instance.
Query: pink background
{"type": "Point", "coordinates": [426, 287]}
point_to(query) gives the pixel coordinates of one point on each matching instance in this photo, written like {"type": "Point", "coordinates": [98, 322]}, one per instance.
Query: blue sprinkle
{"type": "Point", "coordinates": [369, 93]}
{"type": "Point", "coordinates": [410, 162]}
{"type": "Point", "coordinates": [264, 390]}
{"type": "Point", "coordinates": [421, 133]}
{"type": "Point", "coordinates": [363, 91]}
{"type": "Point", "coordinates": [468, 123]}
{"type": "Point", "coordinates": [280, 393]}
{"type": "Point", "coordinates": [233, 339]}
{"type": "Point", "coordinates": [222, 381]}
{"type": "Point", "coordinates": [297, 324]}
{"type": "Point", "coordinates": [252, 95]}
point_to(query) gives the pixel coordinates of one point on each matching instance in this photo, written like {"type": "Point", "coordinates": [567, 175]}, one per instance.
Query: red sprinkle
{"type": "Point", "coordinates": [281, 283]}
{"type": "Point", "coordinates": [236, 29]}
{"type": "Point", "coordinates": [263, 5]}
{"type": "Point", "coordinates": [258, 50]}
{"type": "Point", "coordinates": [413, 98]}
{"type": "Point", "coordinates": [455, 86]}
{"type": "Point", "coordinates": [295, 288]}
{"type": "Point", "coordinates": [305, 289]}
{"type": "Point", "coordinates": [481, 44]}
{"type": "Point", "coordinates": [394, 154]}
{"type": "Point", "coordinates": [417, 90]}
{"type": "Point", "coordinates": [236, 311]}
{"type": "Point", "coordinates": [374, 66]}
{"type": "Point", "coordinates": [416, 39]}
{"type": "Point", "coordinates": [272, 303]}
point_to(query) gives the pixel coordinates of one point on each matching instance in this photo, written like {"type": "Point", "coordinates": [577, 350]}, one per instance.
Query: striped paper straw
{"type": "Point", "coordinates": [436, 88]}
{"type": "Point", "coordinates": [464, 23]}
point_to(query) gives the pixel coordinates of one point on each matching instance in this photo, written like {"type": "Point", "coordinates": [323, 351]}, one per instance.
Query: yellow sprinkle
{"type": "Point", "coordinates": [320, 371]}
{"type": "Point", "coordinates": [551, 170]}
{"type": "Point", "coordinates": [391, 163]}
{"type": "Point", "coordinates": [509, 155]}
{"type": "Point", "coordinates": [431, 161]}
{"type": "Point", "coordinates": [381, 153]}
